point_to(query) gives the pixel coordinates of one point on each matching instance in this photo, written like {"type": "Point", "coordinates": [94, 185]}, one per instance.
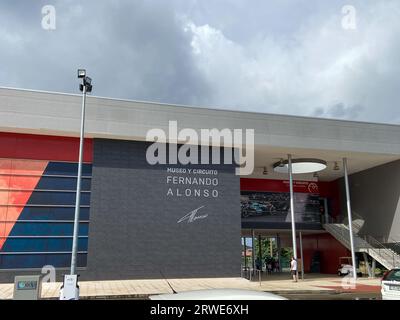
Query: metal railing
{"type": "Point", "coordinates": [357, 222]}
{"type": "Point", "coordinates": [384, 255]}
{"type": "Point", "coordinates": [251, 274]}
{"type": "Point", "coordinates": [342, 233]}
{"type": "Point", "coordinates": [392, 244]}
{"type": "Point", "coordinates": [357, 225]}
{"type": "Point", "coordinates": [389, 255]}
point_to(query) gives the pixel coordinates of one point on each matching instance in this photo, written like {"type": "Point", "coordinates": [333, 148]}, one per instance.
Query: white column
{"type": "Point", "coordinates": [292, 206]}
{"type": "Point", "coordinates": [346, 182]}
{"type": "Point", "coordinates": [253, 250]}
{"type": "Point", "coordinates": [301, 254]}
{"type": "Point", "coordinates": [326, 210]}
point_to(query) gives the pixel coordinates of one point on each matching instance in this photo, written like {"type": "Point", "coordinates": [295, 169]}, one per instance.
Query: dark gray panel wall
{"type": "Point", "coordinates": [133, 222]}
{"type": "Point", "coordinates": [375, 196]}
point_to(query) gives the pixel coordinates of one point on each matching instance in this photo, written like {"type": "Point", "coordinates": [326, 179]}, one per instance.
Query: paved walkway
{"type": "Point", "coordinates": [144, 288]}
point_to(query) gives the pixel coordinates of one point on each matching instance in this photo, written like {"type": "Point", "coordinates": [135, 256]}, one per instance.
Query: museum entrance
{"type": "Point", "coordinates": [266, 254]}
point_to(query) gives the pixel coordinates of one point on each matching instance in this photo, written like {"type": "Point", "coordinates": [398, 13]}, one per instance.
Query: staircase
{"type": "Point", "coordinates": [384, 255]}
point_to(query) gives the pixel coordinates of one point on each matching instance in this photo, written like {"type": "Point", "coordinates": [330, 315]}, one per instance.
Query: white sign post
{"type": "Point", "coordinates": [70, 288]}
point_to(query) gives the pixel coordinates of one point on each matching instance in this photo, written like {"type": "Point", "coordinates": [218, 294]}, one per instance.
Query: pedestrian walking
{"type": "Point", "coordinates": [276, 266]}
{"type": "Point", "coordinates": [293, 269]}
{"type": "Point", "coordinates": [269, 267]}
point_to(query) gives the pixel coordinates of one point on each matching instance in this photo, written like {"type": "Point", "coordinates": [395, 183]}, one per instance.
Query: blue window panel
{"type": "Point", "coordinates": [47, 229]}
{"type": "Point", "coordinates": [66, 244]}
{"type": "Point", "coordinates": [21, 245]}
{"type": "Point", "coordinates": [24, 261]}
{"type": "Point", "coordinates": [43, 244]}
{"type": "Point", "coordinates": [62, 183]}
{"type": "Point", "coordinates": [57, 198]}
{"type": "Point", "coordinates": [64, 260]}
{"type": "Point", "coordinates": [53, 213]}
{"type": "Point", "coordinates": [15, 261]}
{"type": "Point", "coordinates": [67, 169]}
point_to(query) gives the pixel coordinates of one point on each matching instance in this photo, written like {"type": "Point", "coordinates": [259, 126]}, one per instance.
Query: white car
{"type": "Point", "coordinates": [347, 269]}
{"type": "Point", "coordinates": [218, 294]}
{"type": "Point", "coordinates": [390, 285]}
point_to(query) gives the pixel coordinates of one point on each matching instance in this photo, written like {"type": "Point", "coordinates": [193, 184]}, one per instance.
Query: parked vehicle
{"type": "Point", "coordinates": [346, 267]}
{"type": "Point", "coordinates": [390, 285]}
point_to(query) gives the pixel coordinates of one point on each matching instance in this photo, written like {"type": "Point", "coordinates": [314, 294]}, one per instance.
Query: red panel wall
{"type": "Point", "coordinates": [324, 189]}
{"type": "Point", "coordinates": [38, 147]}
{"type": "Point", "coordinates": [330, 251]}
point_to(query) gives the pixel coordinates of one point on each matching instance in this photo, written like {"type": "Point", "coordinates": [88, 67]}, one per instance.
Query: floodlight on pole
{"type": "Point", "coordinates": [81, 73]}
{"type": "Point", "coordinates": [87, 80]}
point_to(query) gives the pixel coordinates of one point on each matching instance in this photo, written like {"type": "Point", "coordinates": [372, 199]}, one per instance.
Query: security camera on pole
{"type": "Point", "coordinates": [70, 288]}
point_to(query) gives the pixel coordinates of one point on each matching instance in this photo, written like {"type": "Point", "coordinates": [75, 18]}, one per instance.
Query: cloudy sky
{"type": "Point", "coordinates": [301, 57]}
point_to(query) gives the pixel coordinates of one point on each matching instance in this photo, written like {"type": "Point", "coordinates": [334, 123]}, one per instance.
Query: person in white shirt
{"type": "Point", "coordinates": [293, 269]}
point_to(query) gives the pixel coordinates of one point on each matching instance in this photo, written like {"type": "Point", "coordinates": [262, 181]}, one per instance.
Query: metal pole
{"type": "Point", "coordinates": [253, 250]}
{"type": "Point", "coordinates": [346, 181]}
{"type": "Point", "coordinates": [271, 249]}
{"type": "Point", "coordinates": [301, 255]}
{"type": "Point", "coordinates": [245, 253]}
{"type": "Point", "coordinates": [260, 251]}
{"type": "Point", "coordinates": [367, 266]}
{"type": "Point", "coordinates": [326, 210]}
{"type": "Point", "coordinates": [278, 246]}
{"type": "Point", "coordinates": [292, 206]}
{"type": "Point", "coordinates": [373, 267]}
{"type": "Point", "coordinates": [78, 188]}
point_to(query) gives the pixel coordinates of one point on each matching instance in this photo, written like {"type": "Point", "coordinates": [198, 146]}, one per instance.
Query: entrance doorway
{"type": "Point", "coordinates": [264, 254]}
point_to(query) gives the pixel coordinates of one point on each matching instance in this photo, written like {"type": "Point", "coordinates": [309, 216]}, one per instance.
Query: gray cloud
{"type": "Point", "coordinates": [134, 50]}
{"type": "Point", "coordinates": [339, 110]}
{"type": "Point", "coordinates": [287, 56]}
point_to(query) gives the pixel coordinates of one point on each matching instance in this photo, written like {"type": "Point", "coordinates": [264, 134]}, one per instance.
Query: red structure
{"type": "Point", "coordinates": [37, 147]}
{"type": "Point", "coordinates": [328, 247]}
{"type": "Point", "coordinates": [323, 244]}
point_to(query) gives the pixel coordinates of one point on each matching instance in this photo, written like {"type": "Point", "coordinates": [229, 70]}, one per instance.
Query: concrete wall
{"type": "Point", "coordinates": [375, 196]}
{"type": "Point", "coordinates": [133, 229]}
{"type": "Point", "coordinates": [58, 114]}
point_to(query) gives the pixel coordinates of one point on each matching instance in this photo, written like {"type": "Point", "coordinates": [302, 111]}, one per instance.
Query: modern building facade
{"type": "Point", "coordinates": [140, 220]}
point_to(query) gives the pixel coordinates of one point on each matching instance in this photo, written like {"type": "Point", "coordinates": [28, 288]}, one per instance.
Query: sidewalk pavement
{"type": "Point", "coordinates": [143, 288]}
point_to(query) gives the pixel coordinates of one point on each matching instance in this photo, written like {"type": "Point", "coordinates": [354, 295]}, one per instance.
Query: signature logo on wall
{"type": "Point", "coordinates": [192, 216]}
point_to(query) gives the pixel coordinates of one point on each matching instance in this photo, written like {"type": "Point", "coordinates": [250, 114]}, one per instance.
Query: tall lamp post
{"type": "Point", "coordinates": [70, 288]}
{"type": "Point", "coordinates": [84, 87]}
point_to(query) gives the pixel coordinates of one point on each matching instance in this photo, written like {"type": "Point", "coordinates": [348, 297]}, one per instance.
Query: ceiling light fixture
{"type": "Point", "coordinates": [304, 165]}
